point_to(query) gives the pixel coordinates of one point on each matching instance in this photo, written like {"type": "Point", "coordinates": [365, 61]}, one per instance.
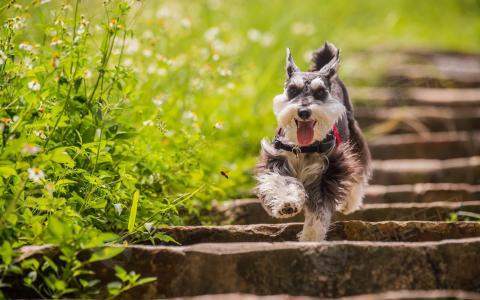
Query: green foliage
{"type": "Point", "coordinates": [127, 281]}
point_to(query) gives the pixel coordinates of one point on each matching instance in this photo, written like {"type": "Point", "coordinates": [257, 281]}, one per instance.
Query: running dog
{"type": "Point", "coordinates": [319, 160]}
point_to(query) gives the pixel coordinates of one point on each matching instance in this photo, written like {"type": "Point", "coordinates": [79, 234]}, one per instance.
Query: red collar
{"type": "Point", "coordinates": [338, 137]}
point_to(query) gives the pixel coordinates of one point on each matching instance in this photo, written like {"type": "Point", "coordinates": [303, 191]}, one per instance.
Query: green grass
{"type": "Point", "coordinates": [157, 101]}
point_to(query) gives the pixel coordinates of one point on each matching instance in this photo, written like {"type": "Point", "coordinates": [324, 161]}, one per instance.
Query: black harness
{"type": "Point", "coordinates": [325, 146]}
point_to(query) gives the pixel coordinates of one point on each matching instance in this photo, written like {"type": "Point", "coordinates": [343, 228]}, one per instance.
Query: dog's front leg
{"type": "Point", "coordinates": [316, 224]}
{"type": "Point", "coordinates": [281, 196]}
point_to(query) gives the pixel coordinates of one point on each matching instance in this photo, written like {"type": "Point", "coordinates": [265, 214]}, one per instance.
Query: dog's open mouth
{"type": "Point", "coordinates": [305, 131]}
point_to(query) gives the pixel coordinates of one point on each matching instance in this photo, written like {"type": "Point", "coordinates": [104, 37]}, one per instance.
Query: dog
{"type": "Point", "coordinates": [319, 161]}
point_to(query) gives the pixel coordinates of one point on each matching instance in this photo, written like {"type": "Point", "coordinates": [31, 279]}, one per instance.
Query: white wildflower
{"type": "Point", "coordinates": [158, 101]}
{"type": "Point", "coordinates": [148, 123]}
{"type": "Point", "coordinates": [81, 29]}
{"type": "Point", "coordinates": [197, 84]}
{"type": "Point", "coordinates": [148, 34]}
{"type": "Point", "coordinates": [131, 45]}
{"type": "Point", "coordinates": [186, 23]}
{"type": "Point", "coordinates": [15, 118]}
{"type": "Point", "coordinates": [44, 1]}
{"type": "Point", "coordinates": [164, 12]}
{"type": "Point", "coordinates": [55, 42]}
{"type": "Point", "coordinates": [30, 149]}
{"type": "Point", "coordinates": [300, 28]}
{"type": "Point", "coordinates": [211, 34]}
{"type": "Point", "coordinates": [35, 174]}
{"type": "Point", "coordinates": [190, 115]}
{"type": "Point", "coordinates": [18, 23]}
{"type": "Point", "coordinates": [59, 22]}
{"type": "Point", "coordinates": [40, 134]}
{"type": "Point", "coordinates": [34, 85]}
{"type": "Point", "coordinates": [218, 125]}
{"type": "Point", "coordinates": [118, 208]}
{"type": "Point", "coordinates": [254, 35]}
{"type": "Point", "coordinates": [151, 69]}
{"type": "Point", "coordinates": [267, 39]}
{"type": "Point", "coordinates": [148, 226]}
{"type": "Point", "coordinates": [87, 74]}
{"type": "Point", "coordinates": [127, 62]}
{"type": "Point", "coordinates": [26, 47]}
{"type": "Point", "coordinates": [27, 61]}
{"type": "Point", "coordinates": [147, 52]}
{"type": "Point", "coordinates": [214, 4]}
{"type": "Point", "coordinates": [224, 72]}
{"type": "Point", "coordinates": [3, 57]}
{"type": "Point", "coordinates": [161, 71]}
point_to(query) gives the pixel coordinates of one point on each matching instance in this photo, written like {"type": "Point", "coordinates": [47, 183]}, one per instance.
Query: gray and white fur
{"type": "Point", "coordinates": [319, 183]}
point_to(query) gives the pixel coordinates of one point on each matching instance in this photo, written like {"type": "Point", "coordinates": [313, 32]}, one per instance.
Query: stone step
{"type": "Point", "coordinates": [432, 76]}
{"type": "Point", "coordinates": [326, 269]}
{"type": "Point", "coordinates": [437, 145]}
{"type": "Point", "coordinates": [411, 171]}
{"type": "Point", "coordinates": [391, 295]}
{"type": "Point", "coordinates": [419, 192]}
{"type": "Point", "coordinates": [401, 231]}
{"type": "Point", "coordinates": [422, 192]}
{"type": "Point", "coordinates": [250, 211]}
{"type": "Point", "coordinates": [407, 68]}
{"type": "Point", "coordinates": [433, 211]}
{"type": "Point", "coordinates": [381, 121]}
{"type": "Point", "coordinates": [437, 97]}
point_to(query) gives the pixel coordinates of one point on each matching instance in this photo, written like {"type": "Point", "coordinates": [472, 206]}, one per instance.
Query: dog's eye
{"type": "Point", "coordinates": [293, 91]}
{"type": "Point", "coordinates": [320, 93]}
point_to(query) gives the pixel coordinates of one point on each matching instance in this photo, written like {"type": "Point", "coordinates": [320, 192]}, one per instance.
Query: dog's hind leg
{"type": "Point", "coordinates": [354, 199]}
{"type": "Point", "coordinates": [281, 196]}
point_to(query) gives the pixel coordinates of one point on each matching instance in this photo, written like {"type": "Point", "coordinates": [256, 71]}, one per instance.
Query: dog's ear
{"type": "Point", "coordinates": [326, 60]}
{"type": "Point", "coordinates": [291, 67]}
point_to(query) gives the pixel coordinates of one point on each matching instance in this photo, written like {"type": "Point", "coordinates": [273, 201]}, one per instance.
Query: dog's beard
{"type": "Point", "coordinates": [324, 116]}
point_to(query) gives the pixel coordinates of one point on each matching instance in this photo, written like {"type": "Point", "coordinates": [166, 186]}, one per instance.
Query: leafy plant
{"type": "Point", "coordinates": [127, 281]}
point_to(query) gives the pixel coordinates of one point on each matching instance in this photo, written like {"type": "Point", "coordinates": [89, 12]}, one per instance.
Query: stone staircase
{"type": "Point", "coordinates": [417, 236]}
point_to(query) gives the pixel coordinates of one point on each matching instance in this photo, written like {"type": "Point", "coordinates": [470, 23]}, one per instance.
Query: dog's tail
{"type": "Point", "coordinates": [323, 56]}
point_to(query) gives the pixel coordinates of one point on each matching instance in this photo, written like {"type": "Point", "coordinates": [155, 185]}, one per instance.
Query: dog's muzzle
{"type": "Point", "coordinates": [304, 113]}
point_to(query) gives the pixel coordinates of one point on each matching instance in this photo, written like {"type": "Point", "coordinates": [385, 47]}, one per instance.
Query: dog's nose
{"type": "Point", "coordinates": [304, 113]}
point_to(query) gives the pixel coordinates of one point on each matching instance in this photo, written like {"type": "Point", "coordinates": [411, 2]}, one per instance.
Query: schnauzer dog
{"type": "Point", "coordinates": [319, 160]}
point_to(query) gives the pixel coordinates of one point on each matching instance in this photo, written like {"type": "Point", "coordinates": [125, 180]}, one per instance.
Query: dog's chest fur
{"type": "Point", "coordinates": [307, 167]}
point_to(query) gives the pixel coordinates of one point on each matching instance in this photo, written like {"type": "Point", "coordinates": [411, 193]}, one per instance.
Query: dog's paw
{"type": "Point", "coordinates": [281, 196]}
{"type": "Point", "coordinates": [283, 206]}
{"type": "Point", "coordinates": [287, 208]}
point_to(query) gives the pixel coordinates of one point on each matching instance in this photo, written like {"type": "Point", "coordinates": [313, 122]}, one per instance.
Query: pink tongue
{"type": "Point", "coordinates": [305, 133]}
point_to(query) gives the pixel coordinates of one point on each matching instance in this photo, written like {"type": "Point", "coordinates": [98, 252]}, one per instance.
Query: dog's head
{"type": "Point", "coordinates": [307, 110]}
